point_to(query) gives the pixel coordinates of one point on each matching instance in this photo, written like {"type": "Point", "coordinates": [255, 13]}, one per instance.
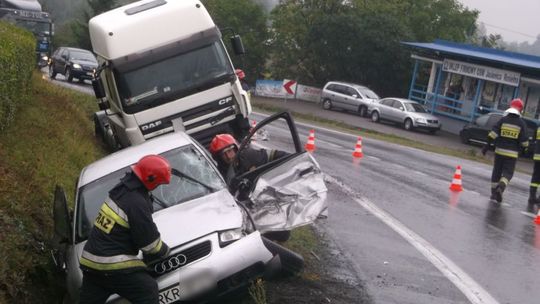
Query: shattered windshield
{"type": "Point", "coordinates": [174, 77]}
{"type": "Point", "coordinates": [187, 160]}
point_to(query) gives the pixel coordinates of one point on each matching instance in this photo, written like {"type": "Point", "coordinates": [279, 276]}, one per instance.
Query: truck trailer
{"type": "Point", "coordinates": [163, 66]}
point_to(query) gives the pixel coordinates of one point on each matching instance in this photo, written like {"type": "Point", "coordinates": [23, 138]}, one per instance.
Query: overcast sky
{"type": "Point", "coordinates": [515, 20]}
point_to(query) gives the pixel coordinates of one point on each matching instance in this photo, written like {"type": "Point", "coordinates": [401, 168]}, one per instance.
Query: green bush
{"type": "Point", "coordinates": [17, 60]}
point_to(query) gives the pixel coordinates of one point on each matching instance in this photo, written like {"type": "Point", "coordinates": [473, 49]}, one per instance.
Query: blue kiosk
{"type": "Point", "coordinates": [458, 82]}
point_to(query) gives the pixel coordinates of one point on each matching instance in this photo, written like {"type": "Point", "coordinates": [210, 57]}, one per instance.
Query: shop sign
{"type": "Point", "coordinates": [481, 72]}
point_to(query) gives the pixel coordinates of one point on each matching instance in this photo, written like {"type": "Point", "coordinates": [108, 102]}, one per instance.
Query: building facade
{"type": "Point", "coordinates": [459, 82]}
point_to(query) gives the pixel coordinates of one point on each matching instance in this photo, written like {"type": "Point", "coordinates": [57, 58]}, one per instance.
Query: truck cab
{"type": "Point", "coordinates": [163, 66]}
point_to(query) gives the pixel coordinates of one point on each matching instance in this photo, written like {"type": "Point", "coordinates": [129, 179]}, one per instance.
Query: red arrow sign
{"type": "Point", "coordinates": [287, 85]}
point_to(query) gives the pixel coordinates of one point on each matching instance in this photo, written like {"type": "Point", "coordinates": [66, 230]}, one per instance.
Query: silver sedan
{"type": "Point", "coordinates": [409, 113]}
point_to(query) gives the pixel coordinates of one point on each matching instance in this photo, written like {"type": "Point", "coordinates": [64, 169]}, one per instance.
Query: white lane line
{"type": "Point", "coordinates": [420, 173]}
{"type": "Point", "coordinates": [467, 285]}
{"type": "Point", "coordinates": [373, 158]}
{"type": "Point", "coordinates": [531, 215]}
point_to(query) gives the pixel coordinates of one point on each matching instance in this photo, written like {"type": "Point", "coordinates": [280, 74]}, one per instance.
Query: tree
{"type": "Point", "coordinates": [249, 20]}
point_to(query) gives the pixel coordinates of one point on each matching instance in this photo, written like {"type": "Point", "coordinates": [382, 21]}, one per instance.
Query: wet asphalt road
{"type": "Point", "coordinates": [410, 239]}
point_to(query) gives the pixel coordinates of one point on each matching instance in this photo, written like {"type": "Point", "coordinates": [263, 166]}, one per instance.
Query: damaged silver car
{"type": "Point", "coordinates": [215, 237]}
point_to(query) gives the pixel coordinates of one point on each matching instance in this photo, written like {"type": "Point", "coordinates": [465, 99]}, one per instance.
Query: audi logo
{"type": "Point", "coordinates": [170, 264]}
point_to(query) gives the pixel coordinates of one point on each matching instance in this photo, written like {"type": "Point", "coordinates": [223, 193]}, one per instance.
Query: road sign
{"type": "Point", "coordinates": [290, 86]}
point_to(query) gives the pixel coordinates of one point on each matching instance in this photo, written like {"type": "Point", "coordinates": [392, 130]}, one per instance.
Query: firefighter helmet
{"type": "Point", "coordinates": [241, 75]}
{"type": "Point", "coordinates": [222, 141]}
{"type": "Point", "coordinates": [152, 170]}
{"type": "Point", "coordinates": [516, 107]}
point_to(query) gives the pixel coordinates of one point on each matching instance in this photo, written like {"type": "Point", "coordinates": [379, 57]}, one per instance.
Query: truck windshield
{"type": "Point", "coordinates": [181, 189]}
{"type": "Point", "coordinates": [37, 27]}
{"type": "Point", "coordinates": [174, 77]}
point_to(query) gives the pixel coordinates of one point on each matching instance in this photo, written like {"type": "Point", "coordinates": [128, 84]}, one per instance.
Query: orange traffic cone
{"type": "Point", "coordinates": [253, 124]}
{"type": "Point", "coordinates": [310, 145]}
{"type": "Point", "coordinates": [456, 182]}
{"type": "Point", "coordinates": [358, 148]}
{"type": "Point", "coordinates": [537, 219]}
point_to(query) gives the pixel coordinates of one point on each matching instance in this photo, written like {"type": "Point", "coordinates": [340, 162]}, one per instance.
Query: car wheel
{"type": "Point", "coordinates": [375, 116]}
{"type": "Point", "coordinates": [362, 111]}
{"type": "Point", "coordinates": [291, 262]}
{"type": "Point", "coordinates": [52, 73]}
{"type": "Point", "coordinates": [327, 104]}
{"type": "Point", "coordinates": [68, 75]}
{"type": "Point", "coordinates": [408, 124]}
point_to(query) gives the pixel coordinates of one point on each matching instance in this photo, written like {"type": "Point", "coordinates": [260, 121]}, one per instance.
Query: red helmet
{"type": "Point", "coordinates": [516, 106]}
{"type": "Point", "coordinates": [222, 141]}
{"type": "Point", "coordinates": [241, 75]}
{"type": "Point", "coordinates": [152, 170]}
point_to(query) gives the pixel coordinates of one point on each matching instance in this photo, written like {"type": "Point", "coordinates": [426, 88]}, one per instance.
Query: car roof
{"type": "Point", "coordinates": [405, 100]}
{"type": "Point", "coordinates": [131, 155]}
{"type": "Point", "coordinates": [349, 84]}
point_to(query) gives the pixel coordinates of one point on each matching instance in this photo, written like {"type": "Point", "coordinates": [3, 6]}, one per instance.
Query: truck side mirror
{"type": "Point", "coordinates": [99, 91]}
{"type": "Point", "coordinates": [237, 45]}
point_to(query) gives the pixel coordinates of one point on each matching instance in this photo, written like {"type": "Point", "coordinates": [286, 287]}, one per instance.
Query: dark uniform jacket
{"type": "Point", "coordinates": [509, 136]}
{"type": "Point", "coordinates": [122, 227]}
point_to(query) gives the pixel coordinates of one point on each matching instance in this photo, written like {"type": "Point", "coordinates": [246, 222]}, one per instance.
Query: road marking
{"type": "Point", "coordinates": [531, 215]}
{"type": "Point", "coordinates": [467, 285]}
{"type": "Point", "coordinates": [420, 173]}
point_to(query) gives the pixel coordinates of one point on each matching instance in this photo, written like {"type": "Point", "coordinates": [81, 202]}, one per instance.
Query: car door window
{"type": "Point", "coordinates": [352, 92]}
{"type": "Point", "coordinates": [492, 121]}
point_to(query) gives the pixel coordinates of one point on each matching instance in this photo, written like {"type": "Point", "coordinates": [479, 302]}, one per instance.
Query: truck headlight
{"type": "Point", "coordinates": [77, 66]}
{"type": "Point", "coordinates": [229, 236]}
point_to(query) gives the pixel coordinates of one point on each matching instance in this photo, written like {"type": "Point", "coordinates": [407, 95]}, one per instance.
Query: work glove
{"type": "Point", "coordinates": [484, 150]}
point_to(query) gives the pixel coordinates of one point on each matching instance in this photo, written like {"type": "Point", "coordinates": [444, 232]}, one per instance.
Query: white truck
{"type": "Point", "coordinates": [164, 67]}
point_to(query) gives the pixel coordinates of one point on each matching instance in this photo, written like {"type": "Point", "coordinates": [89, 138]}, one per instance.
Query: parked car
{"type": "Point", "coordinates": [476, 132]}
{"type": "Point", "coordinates": [347, 96]}
{"type": "Point", "coordinates": [72, 63]}
{"type": "Point", "coordinates": [215, 240]}
{"type": "Point", "coordinates": [409, 113]}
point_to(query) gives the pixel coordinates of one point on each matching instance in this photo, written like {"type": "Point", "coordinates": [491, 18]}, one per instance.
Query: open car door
{"type": "Point", "coordinates": [62, 229]}
{"type": "Point", "coordinates": [287, 191]}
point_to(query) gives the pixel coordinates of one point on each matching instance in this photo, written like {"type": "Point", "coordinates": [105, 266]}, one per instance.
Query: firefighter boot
{"type": "Point", "coordinates": [533, 200]}
{"type": "Point", "coordinates": [493, 194]}
{"type": "Point", "coordinates": [499, 191]}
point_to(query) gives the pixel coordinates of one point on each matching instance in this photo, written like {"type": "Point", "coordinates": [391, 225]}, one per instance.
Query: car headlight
{"type": "Point", "coordinates": [420, 119]}
{"type": "Point", "coordinates": [45, 58]}
{"type": "Point", "coordinates": [229, 236]}
{"type": "Point", "coordinates": [77, 66]}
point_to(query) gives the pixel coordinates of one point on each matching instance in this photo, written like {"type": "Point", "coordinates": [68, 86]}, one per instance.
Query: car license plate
{"type": "Point", "coordinates": [170, 295]}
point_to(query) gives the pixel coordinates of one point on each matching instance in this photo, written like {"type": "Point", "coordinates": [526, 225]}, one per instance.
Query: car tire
{"type": "Point", "coordinates": [408, 124]}
{"type": "Point", "coordinates": [291, 262]}
{"type": "Point", "coordinates": [327, 104]}
{"type": "Point", "coordinates": [278, 236]}
{"type": "Point", "coordinates": [375, 116]}
{"type": "Point", "coordinates": [68, 75]}
{"type": "Point", "coordinates": [52, 73]}
{"type": "Point", "coordinates": [362, 111]}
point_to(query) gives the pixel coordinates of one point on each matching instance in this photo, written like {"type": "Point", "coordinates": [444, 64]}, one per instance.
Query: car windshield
{"type": "Point", "coordinates": [174, 77]}
{"type": "Point", "coordinates": [368, 93]}
{"type": "Point", "coordinates": [187, 160]}
{"type": "Point", "coordinates": [83, 56]}
{"type": "Point", "coordinates": [414, 107]}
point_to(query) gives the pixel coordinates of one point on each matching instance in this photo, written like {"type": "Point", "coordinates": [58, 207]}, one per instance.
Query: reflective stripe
{"type": "Point", "coordinates": [153, 247]}
{"type": "Point", "coordinates": [504, 180]}
{"type": "Point", "coordinates": [116, 262]}
{"type": "Point", "coordinates": [492, 134]}
{"type": "Point", "coordinates": [525, 144]}
{"type": "Point", "coordinates": [116, 209]}
{"type": "Point", "coordinates": [538, 133]}
{"type": "Point", "coordinates": [536, 157]}
{"type": "Point", "coordinates": [536, 185]}
{"type": "Point", "coordinates": [506, 152]}
{"type": "Point", "coordinates": [106, 209]}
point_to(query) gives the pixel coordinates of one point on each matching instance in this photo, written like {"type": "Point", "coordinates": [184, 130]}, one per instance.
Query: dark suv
{"type": "Point", "coordinates": [72, 63]}
{"type": "Point", "coordinates": [477, 131]}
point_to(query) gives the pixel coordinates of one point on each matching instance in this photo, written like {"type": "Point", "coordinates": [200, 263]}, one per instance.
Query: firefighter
{"type": "Point", "coordinates": [242, 77]}
{"type": "Point", "coordinates": [122, 227]}
{"type": "Point", "coordinates": [535, 178]}
{"type": "Point", "coordinates": [509, 137]}
{"type": "Point", "coordinates": [224, 149]}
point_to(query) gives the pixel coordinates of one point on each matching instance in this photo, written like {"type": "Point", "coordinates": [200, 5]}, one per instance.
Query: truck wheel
{"type": "Point", "coordinates": [68, 75]}
{"type": "Point", "coordinates": [291, 262]}
{"type": "Point", "coordinates": [52, 73]}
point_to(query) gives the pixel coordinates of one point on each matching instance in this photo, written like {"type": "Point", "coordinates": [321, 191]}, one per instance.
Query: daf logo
{"type": "Point", "coordinates": [151, 125]}
{"type": "Point", "coordinates": [224, 101]}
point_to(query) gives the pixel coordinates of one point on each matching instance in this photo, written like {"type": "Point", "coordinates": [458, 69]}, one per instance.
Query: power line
{"type": "Point", "coordinates": [509, 30]}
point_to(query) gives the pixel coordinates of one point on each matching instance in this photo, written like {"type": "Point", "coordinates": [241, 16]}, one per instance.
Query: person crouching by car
{"type": "Point", "coordinates": [224, 149]}
{"type": "Point", "coordinates": [122, 227]}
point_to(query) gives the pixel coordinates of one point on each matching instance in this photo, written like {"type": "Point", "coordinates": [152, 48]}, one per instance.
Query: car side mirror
{"type": "Point", "coordinates": [237, 45]}
{"type": "Point", "coordinates": [354, 95]}
{"type": "Point", "coordinates": [401, 109]}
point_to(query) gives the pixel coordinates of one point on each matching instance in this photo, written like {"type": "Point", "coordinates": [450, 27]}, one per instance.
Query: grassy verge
{"type": "Point", "coordinates": [48, 143]}
{"type": "Point", "coordinates": [470, 154]}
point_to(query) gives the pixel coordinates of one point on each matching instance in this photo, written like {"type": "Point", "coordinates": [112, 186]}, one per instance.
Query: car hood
{"type": "Point", "coordinates": [190, 220]}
